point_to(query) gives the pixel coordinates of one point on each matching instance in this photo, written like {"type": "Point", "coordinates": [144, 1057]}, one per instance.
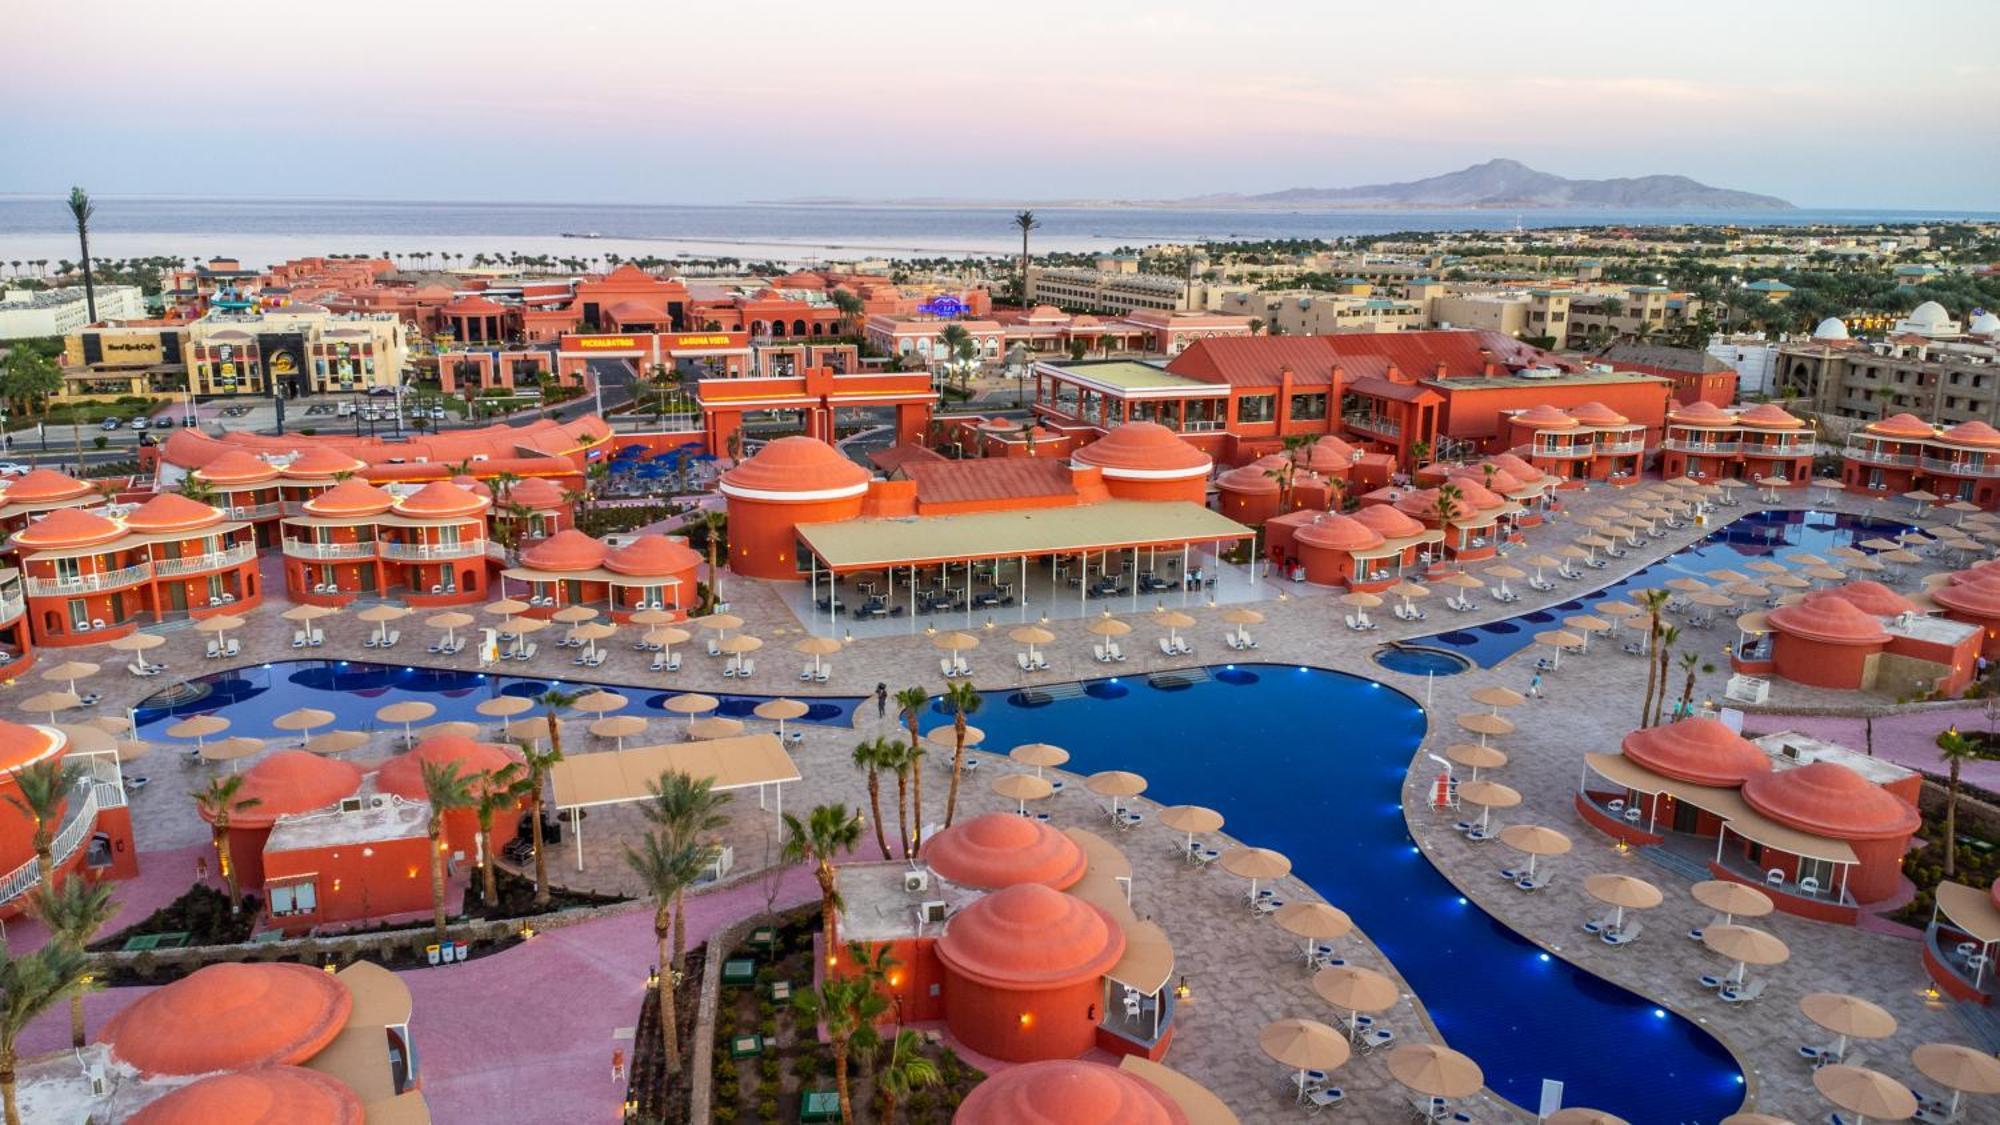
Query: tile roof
{"type": "Point", "coordinates": [995, 478]}
{"type": "Point", "coordinates": [1256, 361]}
{"type": "Point", "coordinates": [1418, 354]}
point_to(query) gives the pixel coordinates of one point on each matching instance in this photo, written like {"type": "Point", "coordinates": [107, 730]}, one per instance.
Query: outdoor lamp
{"type": "Point", "coordinates": [653, 977]}
{"type": "Point", "coordinates": [850, 636]}
{"type": "Point", "coordinates": [1181, 990]}
{"type": "Point", "coordinates": [930, 630]}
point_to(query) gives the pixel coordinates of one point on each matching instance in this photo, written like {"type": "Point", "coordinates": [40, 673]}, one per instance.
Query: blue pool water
{"type": "Point", "coordinates": [1756, 535]}
{"type": "Point", "coordinates": [1414, 661]}
{"type": "Point", "coordinates": [1315, 765]}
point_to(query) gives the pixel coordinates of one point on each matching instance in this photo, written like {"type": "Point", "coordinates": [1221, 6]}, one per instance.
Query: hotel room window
{"type": "Point", "coordinates": [1256, 408]}
{"type": "Point", "coordinates": [1309, 406]}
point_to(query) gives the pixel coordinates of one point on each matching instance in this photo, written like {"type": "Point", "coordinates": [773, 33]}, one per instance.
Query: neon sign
{"type": "Point", "coordinates": [943, 307]}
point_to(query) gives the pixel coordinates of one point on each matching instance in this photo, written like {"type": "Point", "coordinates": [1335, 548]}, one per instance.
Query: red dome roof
{"type": "Point", "coordinates": [568, 549]}
{"type": "Point", "coordinates": [1388, 521]}
{"type": "Point", "coordinates": [1143, 449]}
{"type": "Point", "coordinates": [293, 781]}
{"type": "Point", "coordinates": [796, 464]}
{"type": "Point", "coordinates": [474, 485]}
{"type": "Point", "coordinates": [1701, 751]}
{"type": "Point", "coordinates": [1834, 621]}
{"type": "Point", "coordinates": [1522, 470]}
{"type": "Point", "coordinates": [40, 486]}
{"type": "Point", "coordinates": [272, 1095]}
{"type": "Point", "coordinates": [538, 493]}
{"type": "Point", "coordinates": [170, 511]}
{"type": "Point", "coordinates": [403, 774]}
{"type": "Point", "coordinates": [1328, 455]}
{"type": "Point", "coordinates": [1829, 799]}
{"type": "Point", "coordinates": [1597, 414]}
{"type": "Point", "coordinates": [1501, 481]}
{"type": "Point", "coordinates": [1973, 432]}
{"type": "Point", "coordinates": [1067, 1092]}
{"type": "Point", "coordinates": [1972, 598]}
{"type": "Point", "coordinates": [237, 466]}
{"type": "Point", "coordinates": [23, 745]}
{"type": "Point", "coordinates": [321, 461]}
{"type": "Point", "coordinates": [68, 527]}
{"type": "Point", "coordinates": [1422, 504]}
{"type": "Point", "coordinates": [440, 500]}
{"type": "Point", "coordinates": [1900, 426]}
{"type": "Point", "coordinates": [351, 497]}
{"type": "Point", "coordinates": [1701, 412]}
{"type": "Point", "coordinates": [1768, 416]}
{"type": "Point", "coordinates": [231, 1016]}
{"type": "Point", "coordinates": [1001, 850]}
{"type": "Point", "coordinates": [474, 306]}
{"type": "Point", "coordinates": [1336, 532]}
{"type": "Point", "coordinates": [1248, 480]}
{"type": "Point", "coordinates": [1871, 598]}
{"type": "Point", "coordinates": [1544, 417]}
{"type": "Point", "coordinates": [1028, 936]}
{"type": "Point", "coordinates": [653, 556]}
{"type": "Point", "coordinates": [1473, 491]}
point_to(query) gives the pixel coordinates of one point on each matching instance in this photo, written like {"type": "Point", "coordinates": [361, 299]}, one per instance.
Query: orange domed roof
{"type": "Point", "coordinates": [474, 305]}
{"type": "Point", "coordinates": [1900, 426]}
{"type": "Point", "coordinates": [1422, 503]}
{"type": "Point", "coordinates": [473, 485]}
{"type": "Point", "coordinates": [403, 774]}
{"type": "Point", "coordinates": [1544, 417]}
{"type": "Point", "coordinates": [1768, 416]}
{"type": "Point", "coordinates": [1829, 799]}
{"type": "Point", "coordinates": [1701, 412]}
{"type": "Point", "coordinates": [1328, 455]}
{"type": "Point", "coordinates": [40, 486]}
{"type": "Point", "coordinates": [440, 500]}
{"type": "Point", "coordinates": [1522, 470]}
{"type": "Point", "coordinates": [1597, 414]}
{"type": "Point", "coordinates": [1001, 850]}
{"type": "Point", "coordinates": [1028, 936]}
{"type": "Point", "coordinates": [1834, 621]}
{"type": "Point", "coordinates": [68, 527]}
{"type": "Point", "coordinates": [802, 280]}
{"type": "Point", "coordinates": [1974, 432]}
{"type": "Point", "coordinates": [653, 556]}
{"type": "Point", "coordinates": [1500, 482]}
{"type": "Point", "coordinates": [795, 465]}
{"type": "Point", "coordinates": [351, 497]}
{"type": "Point", "coordinates": [568, 549]}
{"type": "Point", "coordinates": [23, 745]}
{"type": "Point", "coordinates": [1473, 491]}
{"type": "Point", "coordinates": [538, 493]}
{"type": "Point", "coordinates": [231, 1016]}
{"type": "Point", "coordinates": [1143, 449]}
{"type": "Point", "coordinates": [272, 1095]}
{"type": "Point", "coordinates": [170, 511]}
{"type": "Point", "coordinates": [1701, 751]}
{"type": "Point", "coordinates": [1971, 597]}
{"type": "Point", "coordinates": [237, 466]}
{"type": "Point", "coordinates": [1871, 598]}
{"type": "Point", "coordinates": [1338, 533]}
{"type": "Point", "coordinates": [321, 461]}
{"type": "Point", "coordinates": [633, 312]}
{"type": "Point", "coordinates": [1067, 1092]}
{"type": "Point", "coordinates": [293, 781]}
{"type": "Point", "coordinates": [1248, 480]}
{"type": "Point", "coordinates": [1388, 521]}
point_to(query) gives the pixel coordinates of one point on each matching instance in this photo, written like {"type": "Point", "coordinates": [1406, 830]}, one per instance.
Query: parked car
{"type": "Point", "coordinates": [111, 423]}
{"type": "Point", "coordinates": [437, 413]}
{"type": "Point", "coordinates": [138, 423]}
{"type": "Point", "coordinates": [12, 469]}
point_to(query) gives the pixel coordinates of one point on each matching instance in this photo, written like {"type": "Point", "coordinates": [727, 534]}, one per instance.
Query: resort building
{"type": "Point", "coordinates": [38, 492]}
{"type": "Point", "coordinates": [295, 350]}
{"type": "Point", "coordinates": [822, 402]}
{"type": "Point", "coordinates": [1077, 1092]}
{"type": "Point", "coordinates": [1973, 596]}
{"type": "Point", "coordinates": [1926, 364]}
{"type": "Point", "coordinates": [1865, 637]}
{"type": "Point", "coordinates": [621, 575]}
{"type": "Point", "coordinates": [427, 546]}
{"type": "Point", "coordinates": [93, 835]}
{"type": "Point", "coordinates": [1115, 292]}
{"type": "Point", "coordinates": [1757, 443]}
{"type": "Point", "coordinates": [124, 357]}
{"type": "Point", "coordinates": [1586, 442]}
{"type": "Point", "coordinates": [1903, 453]}
{"type": "Point", "coordinates": [27, 314]}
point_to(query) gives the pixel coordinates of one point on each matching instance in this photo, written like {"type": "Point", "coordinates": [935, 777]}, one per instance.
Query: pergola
{"type": "Point", "coordinates": [616, 777]}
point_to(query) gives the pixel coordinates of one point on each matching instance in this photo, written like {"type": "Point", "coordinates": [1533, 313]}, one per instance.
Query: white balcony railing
{"type": "Point", "coordinates": [1876, 456]}
{"type": "Point", "coordinates": [1679, 445]}
{"type": "Point", "coordinates": [255, 511]}
{"type": "Point", "coordinates": [1373, 423]}
{"type": "Point", "coordinates": [12, 607]}
{"type": "Point", "coordinates": [1962, 468]}
{"type": "Point", "coordinates": [1796, 449]}
{"type": "Point", "coordinates": [1583, 450]}
{"type": "Point", "coordinates": [300, 549]}
{"type": "Point", "coordinates": [78, 818]}
{"type": "Point", "coordinates": [196, 564]}
{"type": "Point", "coordinates": [89, 583]}
{"type": "Point", "coordinates": [1638, 446]}
{"type": "Point", "coordinates": [425, 552]}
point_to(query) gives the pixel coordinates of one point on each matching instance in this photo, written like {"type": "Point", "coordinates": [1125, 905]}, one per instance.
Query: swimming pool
{"type": "Point", "coordinates": [1754, 535]}
{"type": "Point", "coordinates": [1316, 761]}
{"type": "Point", "coordinates": [1417, 660]}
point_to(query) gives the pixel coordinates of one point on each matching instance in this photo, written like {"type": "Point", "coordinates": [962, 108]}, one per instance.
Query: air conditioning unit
{"type": "Point", "coordinates": [100, 1086]}
{"type": "Point", "coordinates": [916, 882]}
{"type": "Point", "coordinates": [932, 912]}
{"type": "Point", "coordinates": [351, 804]}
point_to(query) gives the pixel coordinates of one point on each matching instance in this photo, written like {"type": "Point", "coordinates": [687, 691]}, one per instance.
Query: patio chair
{"type": "Point", "coordinates": [298, 638]}
{"type": "Point", "coordinates": [825, 670]}
{"type": "Point", "coordinates": [1097, 653]}
{"type": "Point", "coordinates": [317, 637]}
{"type": "Point", "coordinates": [1821, 1055]}
{"type": "Point", "coordinates": [1625, 934]}
{"type": "Point", "coordinates": [1318, 1099]}
{"type": "Point", "coordinates": [748, 666]}
{"type": "Point", "coordinates": [1362, 616]}
{"type": "Point", "coordinates": [1774, 878]}
{"type": "Point", "coordinates": [1167, 648]}
{"type": "Point", "coordinates": [1535, 882]}
{"type": "Point", "coordinates": [714, 647]}
{"type": "Point", "coordinates": [1352, 624]}
{"type": "Point", "coordinates": [1112, 648]}
{"type": "Point", "coordinates": [214, 648]}
{"type": "Point", "coordinates": [233, 647]}
{"type": "Point", "coordinates": [136, 669]}
{"type": "Point", "coordinates": [1598, 925]}
{"type": "Point", "coordinates": [528, 653]}
{"type": "Point", "coordinates": [1744, 994]}
{"type": "Point", "coordinates": [1021, 658]}
{"type": "Point", "coordinates": [1375, 1037]}
{"type": "Point", "coordinates": [805, 672]}
{"type": "Point", "coordinates": [674, 662]}
{"type": "Point", "coordinates": [944, 667]}
{"type": "Point", "coordinates": [659, 663]}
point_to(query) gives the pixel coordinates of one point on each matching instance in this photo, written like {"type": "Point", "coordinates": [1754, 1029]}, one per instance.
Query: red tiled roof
{"type": "Point", "coordinates": [896, 456]}
{"type": "Point", "coordinates": [998, 478]}
{"type": "Point", "coordinates": [1377, 387]}
{"type": "Point", "coordinates": [1418, 354]}
{"type": "Point", "coordinates": [272, 1095]}
{"type": "Point", "coordinates": [170, 511]}
{"type": "Point", "coordinates": [1829, 799]}
{"type": "Point", "coordinates": [1001, 850]}
{"type": "Point", "coordinates": [39, 485]}
{"type": "Point", "coordinates": [1256, 361]}
{"type": "Point", "coordinates": [68, 527]}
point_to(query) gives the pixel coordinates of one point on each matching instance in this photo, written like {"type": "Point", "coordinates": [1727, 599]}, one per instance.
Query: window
{"type": "Point", "coordinates": [296, 898]}
{"type": "Point", "coordinates": [1309, 406]}
{"type": "Point", "coordinates": [1257, 408]}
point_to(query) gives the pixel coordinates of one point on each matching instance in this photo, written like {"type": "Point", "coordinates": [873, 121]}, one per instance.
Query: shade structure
{"type": "Point", "coordinates": [1724, 574]}
{"type": "Point", "coordinates": [1107, 627]}
{"type": "Point", "coordinates": [221, 623]}
{"type": "Point", "coordinates": [1031, 635]}
{"type": "Point", "coordinates": [1304, 1044]}
{"type": "Point", "coordinates": [739, 644]}
{"type": "Point", "coordinates": [1361, 599]}
{"type": "Point", "coordinates": [378, 614]}
{"type": "Point", "coordinates": [503, 706]}
{"type": "Point", "coordinates": [1849, 1017]}
{"type": "Point", "coordinates": [138, 642]}
{"type": "Point", "coordinates": [1733, 899]}
{"type": "Point", "coordinates": [1625, 891]}
{"type": "Point", "coordinates": [1408, 590]}
{"type": "Point", "coordinates": [1191, 818]}
{"type": "Point", "coordinates": [450, 621]}
{"type": "Point", "coordinates": [69, 671]}
{"type": "Point", "coordinates": [408, 713]}
{"type": "Point", "coordinates": [1919, 495]}
{"type": "Point", "coordinates": [1462, 581]}
{"type": "Point", "coordinates": [1040, 755]}
{"type": "Point", "coordinates": [946, 737]}
{"type": "Point", "coordinates": [1959, 1069]}
{"type": "Point", "coordinates": [591, 632]}
{"type": "Point", "coordinates": [130, 749]}
{"type": "Point", "coordinates": [1868, 1093]}
{"type": "Point", "coordinates": [651, 617]}
{"type": "Point", "coordinates": [198, 727]}
{"type": "Point", "coordinates": [1746, 945]}
{"type": "Point", "coordinates": [1242, 616]}
{"type": "Point", "coordinates": [619, 728]}
{"type": "Point", "coordinates": [532, 729]}
{"type": "Point", "coordinates": [667, 636]}
{"type": "Point", "coordinates": [86, 739]}
{"type": "Point", "coordinates": [1587, 623]}
{"type": "Point", "coordinates": [506, 607]}
{"type": "Point", "coordinates": [303, 720]}
{"type": "Point", "coordinates": [1314, 920]}
{"type": "Point", "coordinates": [1256, 865]}
{"type": "Point", "coordinates": [1535, 841]}
{"type": "Point", "coordinates": [113, 724]}
{"type": "Point", "coordinates": [1619, 609]}
{"type": "Point", "coordinates": [1578, 1115]}
{"type": "Point", "coordinates": [1022, 788]}
{"type": "Point", "coordinates": [1686, 585]}
{"type": "Point", "coordinates": [600, 702]}
{"type": "Point", "coordinates": [1436, 1070]}
{"type": "Point", "coordinates": [779, 710]}
{"type": "Point", "coordinates": [1476, 757]}
{"type": "Point", "coordinates": [1489, 794]}
{"type": "Point", "coordinates": [1116, 783]}
{"type": "Point", "coordinates": [1356, 989]}
{"type": "Point", "coordinates": [692, 703]}
{"type": "Point", "coordinates": [308, 612]}
{"type": "Point", "coordinates": [1505, 572]}
{"type": "Point", "coordinates": [573, 615]}
{"type": "Point", "coordinates": [720, 622]}
{"type": "Point", "coordinates": [1485, 724]}
{"type": "Point", "coordinates": [1175, 619]}
{"type": "Point", "coordinates": [230, 749]}
{"type": "Point", "coordinates": [715, 726]}
{"type": "Point", "coordinates": [1496, 696]}
{"type": "Point", "coordinates": [336, 742]}
{"type": "Point", "coordinates": [1773, 566]}
{"type": "Point", "coordinates": [955, 641]}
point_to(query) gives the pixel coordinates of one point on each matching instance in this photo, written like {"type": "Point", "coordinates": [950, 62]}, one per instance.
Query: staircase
{"type": "Point", "coordinates": [1052, 693]}
{"type": "Point", "coordinates": [1178, 678]}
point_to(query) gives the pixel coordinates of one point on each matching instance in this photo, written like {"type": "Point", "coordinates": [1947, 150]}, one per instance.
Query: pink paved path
{"type": "Point", "coordinates": [1908, 740]}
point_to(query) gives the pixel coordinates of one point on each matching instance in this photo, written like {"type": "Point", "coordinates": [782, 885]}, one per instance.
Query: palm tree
{"type": "Point", "coordinates": [74, 911]}
{"type": "Point", "coordinates": [871, 756]}
{"type": "Point", "coordinates": [44, 788]}
{"type": "Point", "coordinates": [910, 704]}
{"type": "Point", "coordinates": [446, 791]}
{"type": "Point", "coordinates": [1026, 221]}
{"type": "Point", "coordinates": [499, 789]}
{"type": "Point", "coordinates": [1692, 664]}
{"type": "Point", "coordinates": [1284, 473]}
{"type": "Point", "coordinates": [30, 984]}
{"type": "Point", "coordinates": [903, 1072]}
{"type": "Point", "coordinates": [849, 1007]}
{"type": "Point", "coordinates": [687, 808]}
{"type": "Point", "coordinates": [218, 802]}
{"type": "Point", "coordinates": [712, 525]}
{"type": "Point", "coordinates": [895, 758]}
{"type": "Point", "coordinates": [1653, 602]}
{"type": "Point", "coordinates": [666, 869]}
{"type": "Point", "coordinates": [1447, 509]}
{"type": "Point", "coordinates": [1956, 749]}
{"type": "Point", "coordinates": [553, 701]}
{"type": "Point", "coordinates": [963, 699]}
{"type": "Point", "coordinates": [82, 210]}
{"type": "Point", "coordinates": [1670, 635]}
{"type": "Point", "coordinates": [826, 832]}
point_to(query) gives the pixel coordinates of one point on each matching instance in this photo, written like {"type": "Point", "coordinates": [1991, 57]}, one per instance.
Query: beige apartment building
{"type": "Point", "coordinates": [1311, 312]}
{"type": "Point", "coordinates": [1632, 311]}
{"type": "Point", "coordinates": [1520, 313]}
{"type": "Point", "coordinates": [1111, 291]}
{"type": "Point", "coordinates": [296, 350]}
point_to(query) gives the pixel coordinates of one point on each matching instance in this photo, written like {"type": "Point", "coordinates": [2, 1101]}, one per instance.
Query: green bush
{"type": "Point", "coordinates": [768, 1108]}
{"type": "Point", "coordinates": [723, 1113]}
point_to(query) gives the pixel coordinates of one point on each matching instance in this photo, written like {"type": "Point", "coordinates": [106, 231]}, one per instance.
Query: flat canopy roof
{"type": "Point", "coordinates": [1131, 375]}
{"type": "Point", "coordinates": [1196, 1100]}
{"type": "Point", "coordinates": [609, 777]}
{"type": "Point", "coordinates": [1970, 909]}
{"type": "Point", "coordinates": [1725, 803]}
{"type": "Point", "coordinates": [866, 544]}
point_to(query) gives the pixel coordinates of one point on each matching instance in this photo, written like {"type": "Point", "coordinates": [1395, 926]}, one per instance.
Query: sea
{"type": "Point", "coordinates": [260, 232]}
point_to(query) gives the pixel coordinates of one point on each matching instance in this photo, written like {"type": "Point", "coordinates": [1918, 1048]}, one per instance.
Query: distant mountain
{"type": "Point", "coordinates": [1510, 184]}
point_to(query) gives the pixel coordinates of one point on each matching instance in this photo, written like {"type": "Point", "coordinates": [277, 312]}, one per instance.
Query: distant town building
{"type": "Point", "coordinates": [1113, 291]}
{"type": "Point", "coordinates": [33, 313]}
{"type": "Point", "coordinates": [1927, 366]}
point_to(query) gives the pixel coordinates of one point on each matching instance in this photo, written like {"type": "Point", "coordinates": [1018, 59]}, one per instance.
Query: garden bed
{"type": "Point", "coordinates": [1977, 864]}
{"type": "Point", "coordinates": [658, 1096]}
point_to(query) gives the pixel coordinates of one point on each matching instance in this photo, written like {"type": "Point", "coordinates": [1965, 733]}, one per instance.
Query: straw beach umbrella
{"type": "Point", "coordinates": [1535, 841]}
{"type": "Point", "coordinates": [1040, 755]}
{"type": "Point", "coordinates": [1256, 865]}
{"type": "Point", "coordinates": [1436, 1070]}
{"type": "Point", "coordinates": [600, 702]}
{"type": "Point", "coordinates": [1031, 635]}
{"type": "Point", "coordinates": [1865, 1093]}
{"type": "Point", "coordinates": [1622, 893]}
{"type": "Point", "coordinates": [1746, 945]}
{"type": "Point", "coordinates": [1849, 1017]}
{"type": "Point", "coordinates": [1357, 990]}
{"type": "Point", "coordinates": [573, 615]}
{"type": "Point", "coordinates": [667, 636]}
{"type": "Point", "coordinates": [1191, 819]}
{"type": "Point", "coordinates": [1304, 1045]}
{"type": "Point", "coordinates": [1022, 788]}
{"type": "Point", "coordinates": [1314, 921]}
{"type": "Point", "coordinates": [50, 702]}
{"type": "Point", "coordinates": [1496, 697]}
{"type": "Point", "coordinates": [1485, 724]}
{"type": "Point", "coordinates": [1115, 784]}
{"type": "Point", "coordinates": [1961, 1070]}
{"type": "Point", "coordinates": [302, 720]}
{"type": "Point", "coordinates": [1488, 795]}
{"type": "Point", "coordinates": [198, 727]}
{"type": "Point", "coordinates": [1732, 900]}
{"type": "Point", "coordinates": [408, 713]}
{"type": "Point", "coordinates": [1476, 757]}
{"type": "Point", "coordinates": [231, 750]}
{"type": "Point", "coordinates": [70, 671]}
{"type": "Point", "coordinates": [778, 710]}
{"type": "Point", "coordinates": [714, 726]}
{"type": "Point", "coordinates": [450, 622]}
{"type": "Point", "coordinates": [504, 707]}
{"type": "Point", "coordinates": [1578, 1115]}
{"type": "Point", "coordinates": [1174, 621]}
{"type": "Point", "coordinates": [380, 616]}
{"type": "Point", "coordinates": [619, 728]}
{"type": "Point", "coordinates": [692, 704]}
{"type": "Point", "coordinates": [336, 742]}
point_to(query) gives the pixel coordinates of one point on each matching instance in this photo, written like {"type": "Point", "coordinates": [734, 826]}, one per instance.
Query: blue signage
{"type": "Point", "coordinates": [943, 306]}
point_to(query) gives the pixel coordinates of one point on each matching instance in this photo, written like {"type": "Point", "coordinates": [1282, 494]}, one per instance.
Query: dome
{"type": "Point", "coordinates": [231, 1016]}
{"type": "Point", "coordinates": [1829, 799]}
{"type": "Point", "coordinates": [1328, 455]}
{"type": "Point", "coordinates": [23, 745]}
{"type": "Point", "coordinates": [1145, 450]}
{"type": "Point", "coordinates": [403, 774]}
{"type": "Point", "coordinates": [1984, 324]}
{"type": "Point", "coordinates": [1002, 850]}
{"type": "Point", "coordinates": [1249, 480]}
{"type": "Point", "coordinates": [1598, 414]}
{"type": "Point", "coordinates": [1045, 312]}
{"type": "Point", "coordinates": [320, 461]}
{"type": "Point", "coordinates": [237, 466]}
{"type": "Point", "coordinates": [1928, 318]}
{"type": "Point", "coordinates": [170, 511]}
{"type": "Point", "coordinates": [1974, 599]}
{"type": "Point", "coordinates": [1768, 416]}
{"type": "Point", "coordinates": [1473, 491]}
{"type": "Point", "coordinates": [1028, 936]}
{"type": "Point", "coordinates": [439, 500]}
{"type": "Point", "coordinates": [1900, 426]}
{"type": "Point", "coordinates": [42, 486]}
{"type": "Point", "coordinates": [351, 497]}
{"type": "Point", "coordinates": [68, 527]}
{"type": "Point", "coordinates": [1067, 1092]}
{"type": "Point", "coordinates": [1833, 621]}
{"type": "Point", "coordinates": [1500, 481]}
{"type": "Point", "coordinates": [1544, 417]}
{"type": "Point", "coordinates": [539, 493]}
{"type": "Point", "coordinates": [1699, 751]}
{"type": "Point", "coordinates": [1832, 328]}
{"type": "Point", "coordinates": [802, 280]}
{"type": "Point", "coordinates": [1701, 412]}
{"type": "Point", "coordinates": [653, 555]}
{"type": "Point", "coordinates": [1523, 471]}
{"type": "Point", "coordinates": [568, 549]}
{"type": "Point", "coordinates": [1338, 533]}
{"type": "Point", "coordinates": [474, 306]}
{"type": "Point", "coordinates": [637, 312]}
{"type": "Point", "coordinates": [1973, 433]}
{"type": "Point", "coordinates": [474, 485]}
{"type": "Point", "coordinates": [796, 467]}
{"type": "Point", "coordinates": [1871, 598]}
{"type": "Point", "coordinates": [293, 781]}
{"type": "Point", "coordinates": [1422, 504]}
{"type": "Point", "coordinates": [272, 1095]}
{"type": "Point", "coordinates": [1388, 521]}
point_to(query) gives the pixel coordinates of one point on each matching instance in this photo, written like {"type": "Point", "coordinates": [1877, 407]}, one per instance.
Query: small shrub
{"type": "Point", "coordinates": [768, 1108]}
{"type": "Point", "coordinates": [723, 1113]}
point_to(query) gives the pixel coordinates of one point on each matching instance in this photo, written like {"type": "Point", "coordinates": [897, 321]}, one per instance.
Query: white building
{"type": "Point", "coordinates": [27, 313]}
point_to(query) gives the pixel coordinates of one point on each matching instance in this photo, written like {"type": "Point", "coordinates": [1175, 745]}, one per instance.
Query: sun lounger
{"type": "Point", "coordinates": [598, 657]}
{"type": "Point", "coordinates": [528, 652]}
{"type": "Point", "coordinates": [1820, 1055]}
{"type": "Point", "coordinates": [1745, 993]}
{"type": "Point", "coordinates": [1598, 925]}
{"type": "Point", "coordinates": [317, 638]}
{"type": "Point", "coordinates": [1167, 649]}
{"type": "Point", "coordinates": [214, 648]}
{"type": "Point", "coordinates": [1625, 934]}
{"type": "Point", "coordinates": [805, 672]}
{"type": "Point", "coordinates": [825, 670]}
{"type": "Point", "coordinates": [748, 666]}
{"type": "Point", "coordinates": [298, 638]}
{"type": "Point", "coordinates": [674, 663]}
{"type": "Point", "coordinates": [1535, 882]}
{"type": "Point", "coordinates": [1021, 658]}
{"type": "Point", "coordinates": [1319, 1099]}
{"type": "Point", "coordinates": [1097, 653]}
{"type": "Point", "coordinates": [1362, 617]}
{"type": "Point", "coordinates": [1112, 648]}
{"type": "Point", "coordinates": [235, 646]}
{"type": "Point", "coordinates": [714, 647]}
{"type": "Point", "coordinates": [1353, 624]}
{"type": "Point", "coordinates": [1375, 1037]}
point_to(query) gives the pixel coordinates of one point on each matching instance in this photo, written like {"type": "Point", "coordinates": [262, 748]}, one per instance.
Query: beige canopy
{"type": "Point", "coordinates": [49, 702]}
{"type": "Point", "coordinates": [573, 614]}
{"type": "Point", "coordinates": [778, 710]}
{"type": "Point", "coordinates": [336, 742]}
{"type": "Point", "coordinates": [507, 607]}
{"type": "Point", "coordinates": [407, 712]}
{"type": "Point", "coordinates": [1195, 1100]}
{"type": "Point", "coordinates": [1485, 723]}
{"type": "Point", "coordinates": [1746, 944]}
{"type": "Point", "coordinates": [378, 614]}
{"type": "Point", "coordinates": [303, 719]}
{"type": "Point", "coordinates": [1031, 635]}
{"type": "Point", "coordinates": [1970, 909]}
{"type": "Point", "coordinates": [1041, 755]}
{"type": "Point", "coordinates": [1304, 1044]}
{"type": "Point", "coordinates": [308, 612]}
{"type": "Point", "coordinates": [720, 622]}
{"type": "Point", "coordinates": [1494, 695]}
{"type": "Point", "coordinates": [601, 702]}
{"type": "Point", "coordinates": [1242, 616]}
{"type": "Point", "coordinates": [1724, 802]}
{"type": "Point", "coordinates": [1315, 920]}
{"type": "Point", "coordinates": [1116, 783]}
{"type": "Point", "coordinates": [1356, 989]}
{"type": "Point", "coordinates": [198, 726]}
{"type": "Point", "coordinates": [1476, 757]}
{"type": "Point", "coordinates": [715, 726]}
{"type": "Point", "coordinates": [1191, 818]}
{"type": "Point", "coordinates": [1023, 786]}
{"type": "Point", "coordinates": [502, 706]}
{"type": "Point", "coordinates": [1108, 627]}
{"type": "Point", "coordinates": [692, 703]}
{"type": "Point", "coordinates": [1435, 1069]}
{"type": "Point", "coordinates": [1534, 839]}
{"type": "Point", "coordinates": [613, 776]}
{"type": "Point", "coordinates": [651, 617]}
{"type": "Point", "coordinates": [740, 644]}
{"type": "Point", "coordinates": [946, 736]}
{"type": "Point", "coordinates": [620, 727]}
{"type": "Point", "coordinates": [1361, 599]}
{"type": "Point", "coordinates": [230, 749]}
{"type": "Point", "coordinates": [1848, 1016]}
{"type": "Point", "coordinates": [138, 642]}
{"type": "Point", "coordinates": [1958, 1068]}
{"type": "Point", "coordinates": [1489, 794]}
{"type": "Point", "coordinates": [1148, 961]}
{"type": "Point", "coordinates": [452, 728]}
{"type": "Point", "coordinates": [1866, 1092]}
{"type": "Point", "coordinates": [1256, 863]}
{"type": "Point", "coordinates": [1578, 1115]}
{"type": "Point", "coordinates": [811, 646]}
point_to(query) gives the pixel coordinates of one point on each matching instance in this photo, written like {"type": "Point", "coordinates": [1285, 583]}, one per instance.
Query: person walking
{"type": "Point", "coordinates": [1535, 686]}
{"type": "Point", "coordinates": [881, 700]}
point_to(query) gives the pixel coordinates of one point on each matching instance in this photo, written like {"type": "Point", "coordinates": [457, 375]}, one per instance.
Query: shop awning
{"type": "Point", "coordinates": [866, 544]}
{"type": "Point", "coordinates": [611, 777]}
{"type": "Point", "coordinates": [1970, 909]}
{"type": "Point", "coordinates": [1148, 963]}
{"type": "Point", "coordinates": [1725, 803]}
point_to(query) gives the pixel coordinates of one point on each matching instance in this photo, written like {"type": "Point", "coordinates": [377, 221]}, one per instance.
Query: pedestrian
{"type": "Point", "coordinates": [881, 700]}
{"type": "Point", "coordinates": [1983, 666]}
{"type": "Point", "coordinates": [1535, 686]}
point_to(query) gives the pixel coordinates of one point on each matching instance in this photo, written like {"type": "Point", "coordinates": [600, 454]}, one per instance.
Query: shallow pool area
{"type": "Point", "coordinates": [1418, 660]}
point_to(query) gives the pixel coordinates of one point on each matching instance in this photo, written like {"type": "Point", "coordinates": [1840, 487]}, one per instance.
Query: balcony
{"type": "Point", "coordinates": [11, 608]}
{"type": "Point", "coordinates": [255, 511]}
{"type": "Point", "coordinates": [79, 817]}
{"type": "Point", "coordinates": [89, 583]}
{"type": "Point", "coordinates": [1962, 468]}
{"type": "Point", "coordinates": [1796, 449]}
{"type": "Point", "coordinates": [1373, 423]}
{"type": "Point", "coordinates": [1582, 449]}
{"type": "Point", "coordinates": [1877, 457]}
{"type": "Point", "coordinates": [1679, 445]}
{"type": "Point", "coordinates": [197, 564]}
{"type": "Point", "coordinates": [299, 549]}
{"type": "Point", "coordinates": [430, 552]}
{"type": "Point", "coordinates": [1636, 446]}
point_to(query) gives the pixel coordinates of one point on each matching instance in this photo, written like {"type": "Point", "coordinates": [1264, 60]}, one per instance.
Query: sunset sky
{"type": "Point", "coordinates": [1828, 103]}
